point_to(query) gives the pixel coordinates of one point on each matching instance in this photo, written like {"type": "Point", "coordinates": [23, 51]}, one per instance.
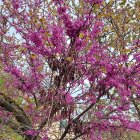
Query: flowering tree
{"type": "Point", "coordinates": [63, 66]}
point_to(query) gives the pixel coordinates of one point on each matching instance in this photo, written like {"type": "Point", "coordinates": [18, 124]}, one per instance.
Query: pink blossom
{"type": "Point", "coordinates": [69, 99]}
{"type": "Point", "coordinates": [94, 1]}
{"type": "Point", "coordinates": [137, 57]}
{"type": "Point", "coordinates": [16, 3]}
{"type": "Point", "coordinates": [36, 38]}
{"type": "Point", "coordinates": [45, 138]}
{"type": "Point", "coordinates": [30, 132]}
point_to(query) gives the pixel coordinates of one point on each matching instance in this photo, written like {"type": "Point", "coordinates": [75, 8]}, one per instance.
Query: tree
{"type": "Point", "coordinates": [68, 61]}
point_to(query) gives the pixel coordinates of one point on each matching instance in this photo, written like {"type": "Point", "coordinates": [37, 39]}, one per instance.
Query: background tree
{"type": "Point", "coordinates": [70, 60]}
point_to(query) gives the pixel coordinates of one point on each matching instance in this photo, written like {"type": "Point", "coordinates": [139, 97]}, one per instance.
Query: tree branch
{"type": "Point", "coordinates": [11, 106]}
{"type": "Point", "coordinates": [136, 107]}
{"type": "Point", "coordinates": [78, 117]}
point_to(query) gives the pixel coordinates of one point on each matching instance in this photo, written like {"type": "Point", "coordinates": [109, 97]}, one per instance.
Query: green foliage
{"type": "Point", "coordinates": [1, 81]}
{"type": "Point", "coordinates": [123, 2]}
{"type": "Point", "coordinates": [135, 136]}
{"type": "Point", "coordinates": [7, 134]}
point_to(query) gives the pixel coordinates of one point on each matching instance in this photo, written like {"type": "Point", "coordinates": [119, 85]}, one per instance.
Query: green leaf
{"type": "Point", "coordinates": [19, 100]}
{"type": "Point", "coordinates": [1, 81]}
{"type": "Point", "coordinates": [123, 2]}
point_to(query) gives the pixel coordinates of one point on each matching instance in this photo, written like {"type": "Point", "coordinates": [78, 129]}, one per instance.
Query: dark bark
{"type": "Point", "coordinates": [24, 123]}
{"type": "Point", "coordinates": [77, 118]}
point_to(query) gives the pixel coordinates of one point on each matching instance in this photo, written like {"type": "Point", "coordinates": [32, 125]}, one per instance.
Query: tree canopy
{"type": "Point", "coordinates": [75, 62]}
